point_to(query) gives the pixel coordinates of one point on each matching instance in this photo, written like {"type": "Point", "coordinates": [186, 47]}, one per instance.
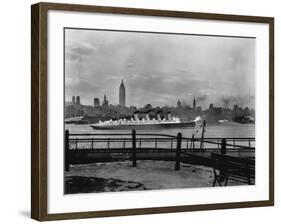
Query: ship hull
{"type": "Point", "coordinates": [140, 126]}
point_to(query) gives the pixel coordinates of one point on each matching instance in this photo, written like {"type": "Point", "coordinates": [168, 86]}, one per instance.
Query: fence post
{"type": "Point", "coordinates": [192, 142]}
{"type": "Point", "coordinates": [202, 136]}
{"type": "Point", "coordinates": [178, 152]}
{"type": "Point", "coordinates": [66, 151]}
{"type": "Point", "coordinates": [223, 146]}
{"type": "Point", "coordinates": [134, 148]}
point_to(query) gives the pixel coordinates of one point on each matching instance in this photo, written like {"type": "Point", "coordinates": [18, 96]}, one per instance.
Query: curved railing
{"type": "Point", "coordinates": [154, 140]}
{"type": "Point", "coordinates": [96, 147]}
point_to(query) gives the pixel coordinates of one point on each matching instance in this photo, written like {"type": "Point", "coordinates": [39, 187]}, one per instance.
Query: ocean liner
{"type": "Point", "coordinates": [146, 123]}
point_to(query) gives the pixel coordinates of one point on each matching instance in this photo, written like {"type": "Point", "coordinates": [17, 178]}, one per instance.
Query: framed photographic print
{"type": "Point", "coordinates": [140, 111]}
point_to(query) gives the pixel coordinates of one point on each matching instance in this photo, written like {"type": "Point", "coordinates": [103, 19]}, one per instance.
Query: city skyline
{"type": "Point", "coordinates": [159, 69]}
{"type": "Point", "coordinates": [96, 102]}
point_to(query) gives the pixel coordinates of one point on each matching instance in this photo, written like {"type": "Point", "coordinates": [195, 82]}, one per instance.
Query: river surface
{"type": "Point", "coordinates": [230, 130]}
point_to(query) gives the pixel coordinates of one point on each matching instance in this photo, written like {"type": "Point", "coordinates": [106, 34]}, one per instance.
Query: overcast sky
{"type": "Point", "coordinates": [159, 68]}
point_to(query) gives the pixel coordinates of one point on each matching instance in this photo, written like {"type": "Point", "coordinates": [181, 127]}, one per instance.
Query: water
{"type": "Point", "coordinates": [230, 130]}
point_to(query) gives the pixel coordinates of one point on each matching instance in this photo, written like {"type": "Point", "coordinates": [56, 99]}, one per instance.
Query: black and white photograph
{"type": "Point", "coordinates": [154, 111]}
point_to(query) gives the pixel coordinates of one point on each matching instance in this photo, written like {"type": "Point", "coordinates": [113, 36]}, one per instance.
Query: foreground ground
{"type": "Point", "coordinates": [148, 175]}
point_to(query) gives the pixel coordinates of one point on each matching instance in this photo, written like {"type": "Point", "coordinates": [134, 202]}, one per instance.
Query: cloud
{"type": "Point", "coordinates": [80, 87]}
{"type": "Point", "coordinates": [160, 68]}
{"type": "Point", "coordinates": [77, 51]}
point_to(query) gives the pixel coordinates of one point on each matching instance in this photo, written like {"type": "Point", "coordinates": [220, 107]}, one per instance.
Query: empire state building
{"type": "Point", "coordinates": [122, 94]}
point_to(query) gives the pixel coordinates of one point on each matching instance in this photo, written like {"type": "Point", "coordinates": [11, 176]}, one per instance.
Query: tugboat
{"type": "Point", "coordinates": [76, 120]}
{"type": "Point", "coordinates": [73, 120]}
{"type": "Point", "coordinates": [146, 123]}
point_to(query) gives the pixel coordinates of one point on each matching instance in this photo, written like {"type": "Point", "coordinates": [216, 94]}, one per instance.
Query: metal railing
{"type": "Point", "coordinates": [161, 141]}
{"type": "Point", "coordinates": [149, 145]}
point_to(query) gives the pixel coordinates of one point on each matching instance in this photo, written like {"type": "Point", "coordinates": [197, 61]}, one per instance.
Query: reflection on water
{"type": "Point", "coordinates": [231, 130]}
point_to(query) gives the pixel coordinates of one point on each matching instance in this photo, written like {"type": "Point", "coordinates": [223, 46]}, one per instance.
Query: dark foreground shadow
{"type": "Point", "coordinates": [80, 184]}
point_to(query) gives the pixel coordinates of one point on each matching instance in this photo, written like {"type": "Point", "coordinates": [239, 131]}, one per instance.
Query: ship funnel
{"type": "Point", "coordinates": [158, 116]}
{"type": "Point", "coordinates": [136, 116]}
{"type": "Point", "coordinates": [147, 116]}
{"type": "Point", "coordinates": [169, 116]}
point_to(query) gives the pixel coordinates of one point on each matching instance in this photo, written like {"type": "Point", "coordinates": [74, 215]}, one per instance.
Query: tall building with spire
{"type": "Point", "coordinates": [179, 104]}
{"type": "Point", "coordinates": [194, 103]}
{"type": "Point", "coordinates": [122, 94]}
{"type": "Point", "coordinates": [105, 101]}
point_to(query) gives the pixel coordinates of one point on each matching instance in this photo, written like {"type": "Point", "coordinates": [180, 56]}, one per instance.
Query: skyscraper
{"type": "Point", "coordinates": [105, 101]}
{"type": "Point", "coordinates": [194, 103]}
{"type": "Point", "coordinates": [179, 104]}
{"type": "Point", "coordinates": [78, 100]}
{"type": "Point", "coordinates": [96, 102]}
{"type": "Point", "coordinates": [122, 94]}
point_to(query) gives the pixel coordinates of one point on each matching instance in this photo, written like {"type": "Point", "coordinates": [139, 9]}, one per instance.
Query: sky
{"type": "Point", "coordinates": [159, 69]}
